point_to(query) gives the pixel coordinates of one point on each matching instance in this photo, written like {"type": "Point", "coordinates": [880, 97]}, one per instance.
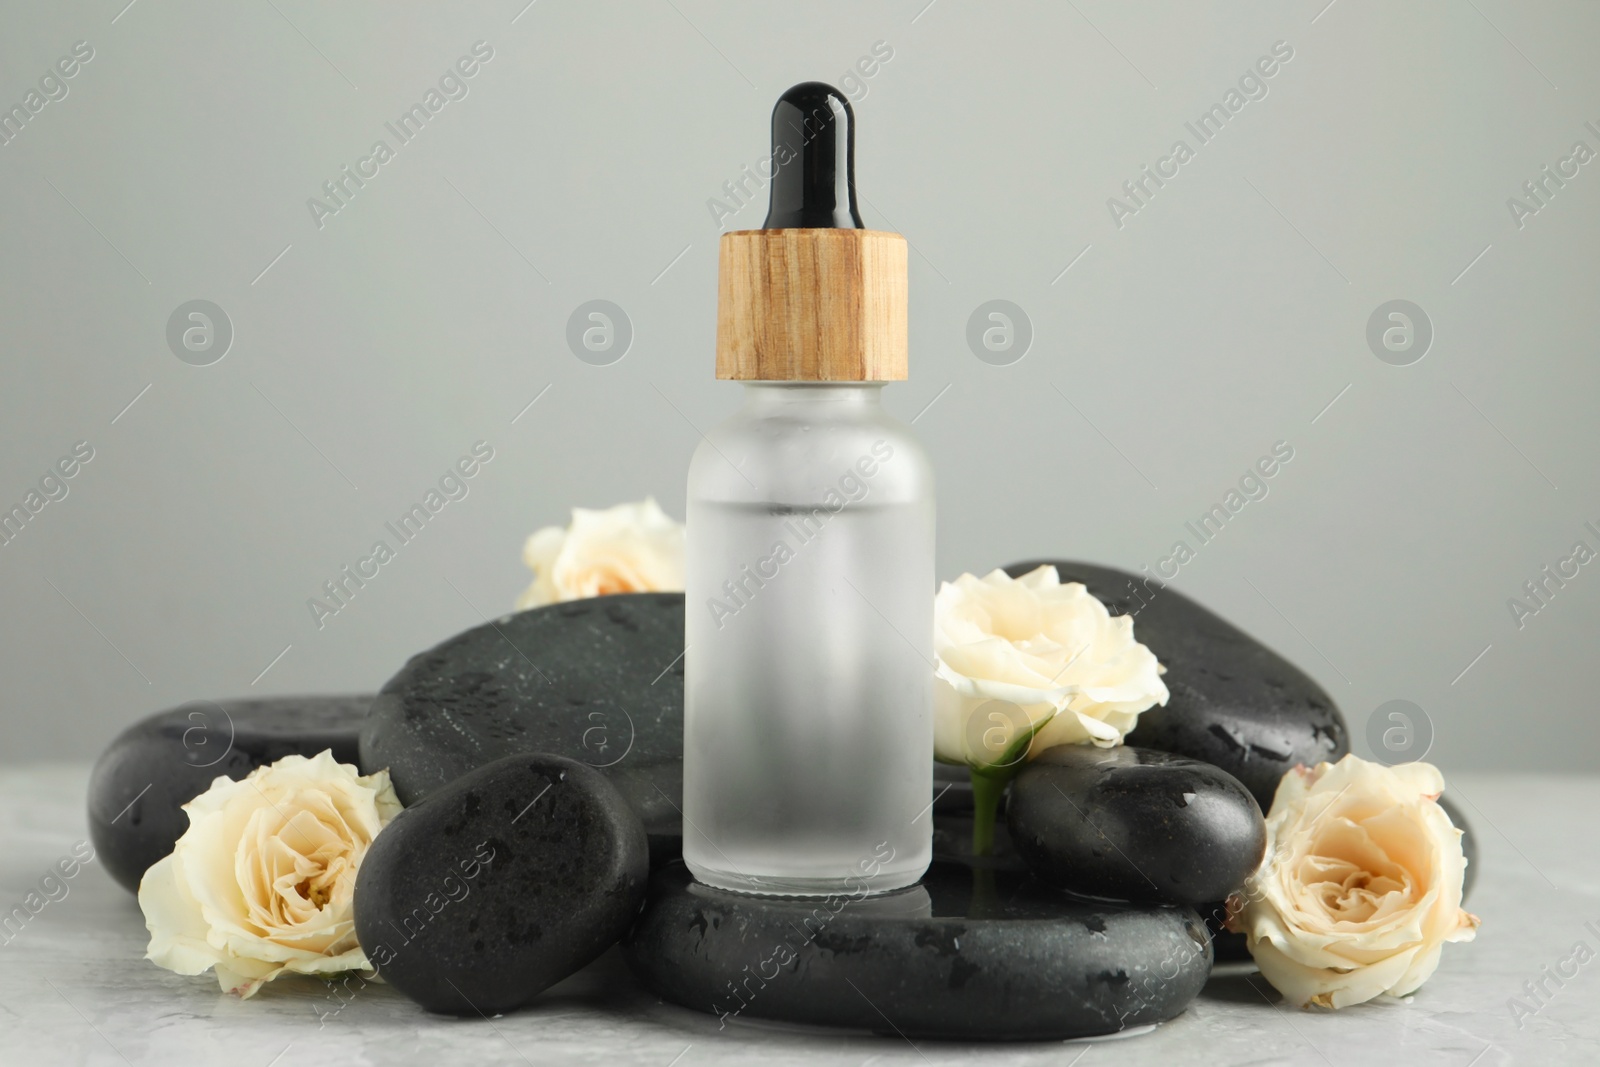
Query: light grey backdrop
{"type": "Point", "coordinates": [1172, 346]}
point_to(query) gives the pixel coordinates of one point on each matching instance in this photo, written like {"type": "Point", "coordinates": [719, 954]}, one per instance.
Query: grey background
{"type": "Point", "coordinates": [1225, 316]}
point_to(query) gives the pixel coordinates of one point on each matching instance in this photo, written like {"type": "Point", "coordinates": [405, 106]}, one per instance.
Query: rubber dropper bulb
{"type": "Point", "coordinates": [814, 161]}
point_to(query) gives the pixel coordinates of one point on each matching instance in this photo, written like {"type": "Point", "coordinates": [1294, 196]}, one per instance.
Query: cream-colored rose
{"type": "Point", "coordinates": [631, 548]}
{"type": "Point", "coordinates": [262, 881]}
{"type": "Point", "coordinates": [1029, 653]}
{"type": "Point", "coordinates": [1361, 885]}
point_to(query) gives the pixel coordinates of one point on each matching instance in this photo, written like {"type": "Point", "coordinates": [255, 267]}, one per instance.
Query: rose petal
{"type": "Point", "coordinates": [1361, 884]}
{"type": "Point", "coordinates": [1052, 650]}
{"type": "Point", "coordinates": [177, 930]}
{"type": "Point", "coordinates": [262, 882]}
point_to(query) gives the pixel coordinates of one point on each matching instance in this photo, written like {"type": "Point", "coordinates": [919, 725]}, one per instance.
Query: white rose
{"type": "Point", "coordinates": [631, 548]}
{"type": "Point", "coordinates": [1072, 672]}
{"type": "Point", "coordinates": [262, 880]}
{"type": "Point", "coordinates": [1361, 885]}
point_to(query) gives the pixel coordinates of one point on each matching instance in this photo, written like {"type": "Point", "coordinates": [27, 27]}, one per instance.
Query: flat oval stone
{"type": "Point", "coordinates": [478, 898]}
{"type": "Point", "coordinates": [160, 763]}
{"type": "Point", "coordinates": [1134, 824]}
{"type": "Point", "coordinates": [964, 954]}
{"type": "Point", "coordinates": [1234, 702]}
{"type": "Point", "coordinates": [599, 681]}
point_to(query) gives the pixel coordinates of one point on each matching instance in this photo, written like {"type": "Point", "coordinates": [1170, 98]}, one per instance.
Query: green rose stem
{"type": "Point", "coordinates": [989, 783]}
{"type": "Point", "coordinates": [988, 786]}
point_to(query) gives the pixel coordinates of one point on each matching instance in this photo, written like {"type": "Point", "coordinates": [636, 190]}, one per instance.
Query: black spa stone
{"type": "Point", "coordinates": [514, 876]}
{"type": "Point", "coordinates": [154, 767]}
{"type": "Point", "coordinates": [599, 681]}
{"type": "Point", "coordinates": [1234, 702]}
{"type": "Point", "coordinates": [988, 955]}
{"type": "Point", "coordinates": [1134, 824]}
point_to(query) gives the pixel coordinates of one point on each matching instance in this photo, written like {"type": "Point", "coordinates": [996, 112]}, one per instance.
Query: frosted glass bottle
{"type": "Point", "coordinates": [808, 674]}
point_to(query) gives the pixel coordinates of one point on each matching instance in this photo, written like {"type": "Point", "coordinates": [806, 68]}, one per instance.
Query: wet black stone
{"type": "Point", "coordinates": [154, 767]}
{"type": "Point", "coordinates": [1234, 702]}
{"type": "Point", "coordinates": [599, 681]}
{"type": "Point", "coordinates": [1134, 824]}
{"type": "Point", "coordinates": [494, 888]}
{"type": "Point", "coordinates": [970, 954]}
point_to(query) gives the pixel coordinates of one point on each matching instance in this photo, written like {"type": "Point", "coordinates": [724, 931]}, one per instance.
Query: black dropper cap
{"type": "Point", "coordinates": [814, 160]}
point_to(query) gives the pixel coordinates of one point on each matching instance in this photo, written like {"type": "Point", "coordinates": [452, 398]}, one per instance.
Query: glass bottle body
{"type": "Point", "coordinates": [808, 670]}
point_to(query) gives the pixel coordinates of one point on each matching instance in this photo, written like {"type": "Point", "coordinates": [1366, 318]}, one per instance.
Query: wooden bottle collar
{"type": "Point", "coordinates": [812, 305]}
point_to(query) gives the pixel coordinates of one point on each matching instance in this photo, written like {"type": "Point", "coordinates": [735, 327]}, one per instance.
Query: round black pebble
{"type": "Point", "coordinates": [1234, 702]}
{"type": "Point", "coordinates": [967, 954]}
{"type": "Point", "coordinates": [160, 763]}
{"type": "Point", "coordinates": [599, 681]}
{"type": "Point", "coordinates": [491, 890]}
{"type": "Point", "coordinates": [1135, 824]}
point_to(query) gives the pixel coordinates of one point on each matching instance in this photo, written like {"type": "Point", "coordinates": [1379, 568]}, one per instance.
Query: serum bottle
{"type": "Point", "coordinates": [808, 729]}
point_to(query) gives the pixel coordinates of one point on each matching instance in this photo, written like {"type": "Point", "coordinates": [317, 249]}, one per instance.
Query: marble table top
{"type": "Point", "coordinates": [75, 989]}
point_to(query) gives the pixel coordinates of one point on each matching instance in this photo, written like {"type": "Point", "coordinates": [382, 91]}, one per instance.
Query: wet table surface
{"type": "Point", "coordinates": [75, 989]}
